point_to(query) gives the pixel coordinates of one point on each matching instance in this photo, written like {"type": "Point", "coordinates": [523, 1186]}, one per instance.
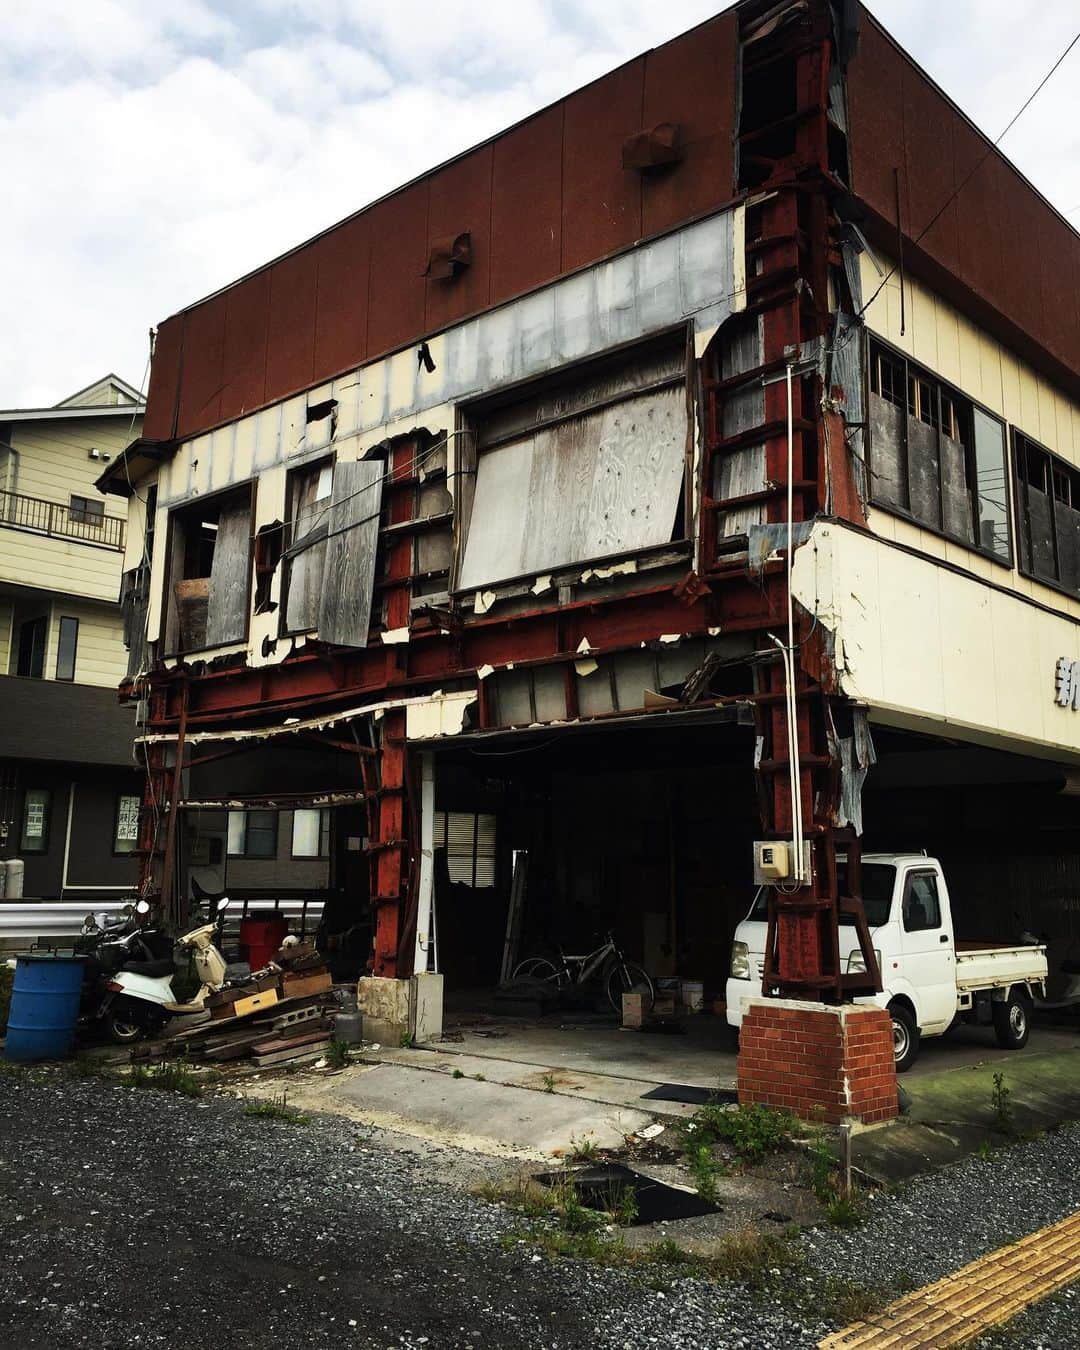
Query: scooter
{"type": "Point", "coordinates": [140, 997]}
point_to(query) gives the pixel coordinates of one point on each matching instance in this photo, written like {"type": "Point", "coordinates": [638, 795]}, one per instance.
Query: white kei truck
{"type": "Point", "coordinates": [929, 980]}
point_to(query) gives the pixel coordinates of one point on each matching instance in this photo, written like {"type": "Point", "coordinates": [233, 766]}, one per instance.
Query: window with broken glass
{"type": "Point", "coordinates": [210, 571]}
{"type": "Point", "coordinates": [1047, 514]}
{"type": "Point", "coordinates": [937, 457]}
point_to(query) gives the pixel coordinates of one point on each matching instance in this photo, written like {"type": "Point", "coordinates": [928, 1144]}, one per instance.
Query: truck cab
{"type": "Point", "coordinates": [928, 981]}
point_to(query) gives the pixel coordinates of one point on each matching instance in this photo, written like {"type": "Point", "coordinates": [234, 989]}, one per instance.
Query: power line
{"type": "Point", "coordinates": [960, 187]}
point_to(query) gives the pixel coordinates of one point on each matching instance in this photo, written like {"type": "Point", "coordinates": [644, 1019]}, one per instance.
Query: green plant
{"type": "Point", "coordinates": [169, 1076]}
{"type": "Point", "coordinates": [548, 1080]}
{"type": "Point", "coordinates": [986, 1151]}
{"type": "Point", "coordinates": [479, 1078]}
{"type": "Point", "coordinates": [583, 1150]}
{"type": "Point", "coordinates": [1001, 1102]}
{"type": "Point", "coordinates": [669, 1253]}
{"type": "Point", "coordinates": [407, 1040]}
{"type": "Point", "coordinates": [845, 1211]}
{"type": "Point", "coordinates": [752, 1131]}
{"type": "Point", "coordinates": [457, 1074]}
{"type": "Point", "coordinates": [706, 1170]}
{"type": "Point", "coordinates": [337, 1053]}
{"type": "Point", "coordinates": [277, 1108]}
{"type": "Point", "coordinates": [823, 1163]}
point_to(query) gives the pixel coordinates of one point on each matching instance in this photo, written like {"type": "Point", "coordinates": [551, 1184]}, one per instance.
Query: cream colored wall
{"type": "Point", "coordinates": [940, 338]}
{"type": "Point", "coordinates": [54, 457]}
{"type": "Point", "coordinates": [100, 656]}
{"type": "Point", "coordinates": [54, 465]}
{"type": "Point", "coordinates": [929, 648]}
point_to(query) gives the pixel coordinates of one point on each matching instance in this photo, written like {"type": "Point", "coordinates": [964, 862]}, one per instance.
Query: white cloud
{"type": "Point", "coordinates": [154, 153]}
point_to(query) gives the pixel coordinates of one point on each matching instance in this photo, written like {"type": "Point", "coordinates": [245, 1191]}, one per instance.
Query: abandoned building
{"type": "Point", "coordinates": [696, 462]}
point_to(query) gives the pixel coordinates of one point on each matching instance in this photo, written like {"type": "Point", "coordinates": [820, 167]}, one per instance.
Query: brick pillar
{"type": "Point", "coordinates": [818, 1062]}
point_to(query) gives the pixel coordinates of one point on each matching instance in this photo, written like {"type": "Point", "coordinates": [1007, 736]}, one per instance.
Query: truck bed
{"type": "Point", "coordinates": [987, 967]}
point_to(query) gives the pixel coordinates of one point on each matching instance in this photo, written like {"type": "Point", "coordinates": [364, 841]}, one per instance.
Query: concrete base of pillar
{"type": "Point", "coordinates": [819, 1062]}
{"type": "Point", "coordinates": [396, 1009]}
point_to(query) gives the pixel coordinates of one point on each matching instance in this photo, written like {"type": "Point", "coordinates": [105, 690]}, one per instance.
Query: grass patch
{"type": "Point", "coordinates": [168, 1076]}
{"type": "Point", "coordinates": [337, 1053]}
{"type": "Point", "coordinates": [843, 1211]}
{"type": "Point", "coordinates": [583, 1150]}
{"type": "Point", "coordinates": [548, 1080]}
{"type": "Point", "coordinates": [276, 1108]}
{"type": "Point", "coordinates": [457, 1074]}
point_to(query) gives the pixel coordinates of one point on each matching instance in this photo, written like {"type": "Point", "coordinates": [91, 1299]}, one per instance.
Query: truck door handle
{"type": "Point", "coordinates": [944, 937]}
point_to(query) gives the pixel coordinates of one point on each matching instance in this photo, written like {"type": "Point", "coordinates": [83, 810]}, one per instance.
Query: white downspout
{"type": "Point", "coordinates": [425, 907]}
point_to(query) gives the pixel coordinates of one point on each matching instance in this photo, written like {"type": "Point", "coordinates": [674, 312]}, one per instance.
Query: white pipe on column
{"type": "Point", "coordinates": [792, 705]}
{"type": "Point", "coordinates": [425, 907]}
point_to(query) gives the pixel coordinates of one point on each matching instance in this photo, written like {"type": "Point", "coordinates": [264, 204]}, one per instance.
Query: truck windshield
{"type": "Point", "coordinates": [878, 880]}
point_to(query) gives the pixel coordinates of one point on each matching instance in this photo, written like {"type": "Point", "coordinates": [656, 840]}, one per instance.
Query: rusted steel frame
{"type": "Point", "coordinates": [388, 860]}
{"type": "Point", "coordinates": [168, 867]}
{"type": "Point", "coordinates": [752, 498]}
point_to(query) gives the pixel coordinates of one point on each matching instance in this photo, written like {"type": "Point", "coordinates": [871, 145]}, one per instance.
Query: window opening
{"type": "Point", "coordinates": [66, 648]}
{"type": "Point", "coordinates": [34, 835]}
{"type": "Point", "coordinates": [211, 569]}
{"type": "Point", "coordinates": [30, 653]}
{"type": "Point", "coordinates": [126, 829]}
{"type": "Point", "coordinates": [252, 834]}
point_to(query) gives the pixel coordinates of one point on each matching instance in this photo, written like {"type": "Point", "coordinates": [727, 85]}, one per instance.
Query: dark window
{"type": "Point", "coordinates": [210, 569]}
{"type": "Point", "coordinates": [878, 880]}
{"type": "Point", "coordinates": [66, 648]}
{"type": "Point", "coordinates": [935, 456]}
{"type": "Point", "coordinates": [922, 909]}
{"type": "Point", "coordinates": [1047, 518]}
{"type": "Point", "coordinates": [31, 657]}
{"type": "Point", "coordinates": [86, 511]}
{"type": "Point", "coordinates": [126, 829]}
{"type": "Point", "coordinates": [34, 835]}
{"type": "Point", "coordinates": [252, 834]}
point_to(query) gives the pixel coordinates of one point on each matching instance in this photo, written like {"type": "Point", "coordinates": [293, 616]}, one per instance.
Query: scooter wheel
{"type": "Point", "coordinates": [123, 1029]}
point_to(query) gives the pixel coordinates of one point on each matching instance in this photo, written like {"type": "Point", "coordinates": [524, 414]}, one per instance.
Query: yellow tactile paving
{"type": "Point", "coordinates": [965, 1304]}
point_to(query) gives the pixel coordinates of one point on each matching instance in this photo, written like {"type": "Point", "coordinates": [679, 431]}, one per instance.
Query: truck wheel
{"type": "Point", "coordinates": [1012, 1021]}
{"type": "Point", "coordinates": [905, 1034]}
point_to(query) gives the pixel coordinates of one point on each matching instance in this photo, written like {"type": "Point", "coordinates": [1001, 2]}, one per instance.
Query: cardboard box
{"type": "Point", "coordinates": [303, 983]}
{"type": "Point", "coordinates": [633, 1010]}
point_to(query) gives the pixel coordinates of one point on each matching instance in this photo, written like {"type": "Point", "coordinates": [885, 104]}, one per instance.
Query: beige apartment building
{"type": "Point", "coordinates": [69, 789]}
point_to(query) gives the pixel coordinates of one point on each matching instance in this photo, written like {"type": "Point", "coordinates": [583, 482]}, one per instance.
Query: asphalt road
{"type": "Point", "coordinates": [142, 1219]}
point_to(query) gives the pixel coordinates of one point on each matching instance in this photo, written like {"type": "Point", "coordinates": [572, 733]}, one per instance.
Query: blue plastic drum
{"type": "Point", "coordinates": [44, 1007]}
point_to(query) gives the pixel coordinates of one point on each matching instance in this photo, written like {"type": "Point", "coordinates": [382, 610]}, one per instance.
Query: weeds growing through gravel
{"type": "Point", "coordinates": [548, 1080]}
{"type": "Point", "coordinates": [277, 1108]}
{"type": "Point", "coordinates": [843, 1211]}
{"type": "Point", "coordinates": [169, 1076]}
{"type": "Point", "coordinates": [583, 1150]}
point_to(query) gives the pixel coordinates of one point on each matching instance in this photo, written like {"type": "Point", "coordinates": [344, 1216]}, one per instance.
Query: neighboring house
{"type": "Point", "coordinates": [469, 520]}
{"type": "Point", "coordinates": [69, 791]}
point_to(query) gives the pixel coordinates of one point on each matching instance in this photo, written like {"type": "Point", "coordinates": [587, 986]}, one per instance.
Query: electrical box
{"type": "Point", "coordinates": [772, 861]}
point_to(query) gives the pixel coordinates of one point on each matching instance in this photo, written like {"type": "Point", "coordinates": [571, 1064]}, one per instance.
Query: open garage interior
{"type": "Point", "coordinates": [1006, 828]}
{"type": "Point", "coordinates": [638, 829]}
{"type": "Point", "coordinates": [282, 826]}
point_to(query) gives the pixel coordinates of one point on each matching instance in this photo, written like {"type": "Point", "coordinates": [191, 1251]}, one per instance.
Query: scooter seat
{"type": "Point", "coordinates": [153, 970]}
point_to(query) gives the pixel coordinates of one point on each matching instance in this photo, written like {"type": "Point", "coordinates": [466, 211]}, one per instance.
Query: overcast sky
{"type": "Point", "coordinates": [153, 152]}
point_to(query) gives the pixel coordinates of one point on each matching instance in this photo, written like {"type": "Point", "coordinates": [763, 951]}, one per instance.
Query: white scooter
{"type": "Point", "coordinates": [143, 999]}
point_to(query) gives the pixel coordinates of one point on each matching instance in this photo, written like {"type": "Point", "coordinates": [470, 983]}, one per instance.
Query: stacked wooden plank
{"type": "Point", "coordinates": [279, 1014]}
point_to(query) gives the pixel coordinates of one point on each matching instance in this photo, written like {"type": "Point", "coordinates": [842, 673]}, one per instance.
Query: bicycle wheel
{"type": "Point", "coordinates": [538, 968]}
{"type": "Point", "coordinates": [627, 977]}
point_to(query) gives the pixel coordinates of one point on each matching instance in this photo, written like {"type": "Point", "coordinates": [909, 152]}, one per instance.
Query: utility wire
{"type": "Point", "coordinates": [960, 187]}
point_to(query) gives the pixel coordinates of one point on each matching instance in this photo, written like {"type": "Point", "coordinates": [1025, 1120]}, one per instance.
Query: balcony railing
{"type": "Point", "coordinates": [64, 522]}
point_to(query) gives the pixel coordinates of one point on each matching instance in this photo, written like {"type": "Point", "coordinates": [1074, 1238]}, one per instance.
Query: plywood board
{"type": "Point", "coordinates": [350, 553]}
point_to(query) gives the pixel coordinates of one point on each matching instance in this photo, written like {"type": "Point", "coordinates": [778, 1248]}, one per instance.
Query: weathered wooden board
{"type": "Point", "coordinates": [345, 612]}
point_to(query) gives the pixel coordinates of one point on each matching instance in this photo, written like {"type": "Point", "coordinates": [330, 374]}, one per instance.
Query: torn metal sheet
{"type": "Point", "coordinates": [766, 541]}
{"type": "Point", "coordinates": [292, 725]}
{"type": "Point", "coordinates": [440, 715]}
{"type": "Point", "coordinates": [857, 756]}
{"type": "Point", "coordinates": [394, 636]}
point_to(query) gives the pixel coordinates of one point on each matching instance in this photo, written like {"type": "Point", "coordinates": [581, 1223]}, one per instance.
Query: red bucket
{"type": "Point", "coordinates": [260, 939]}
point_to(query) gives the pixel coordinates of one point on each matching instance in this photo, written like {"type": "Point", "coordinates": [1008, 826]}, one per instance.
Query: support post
{"type": "Point", "coordinates": [425, 900]}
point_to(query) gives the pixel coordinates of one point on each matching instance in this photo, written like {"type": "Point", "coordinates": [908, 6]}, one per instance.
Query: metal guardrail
{"type": "Point", "coordinates": [39, 516]}
{"type": "Point", "coordinates": [52, 921]}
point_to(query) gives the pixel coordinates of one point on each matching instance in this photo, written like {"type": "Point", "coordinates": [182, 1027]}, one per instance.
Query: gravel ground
{"type": "Point", "coordinates": [143, 1219]}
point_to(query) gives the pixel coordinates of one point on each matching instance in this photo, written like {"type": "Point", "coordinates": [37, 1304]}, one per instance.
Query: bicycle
{"type": "Point", "coordinates": [607, 962]}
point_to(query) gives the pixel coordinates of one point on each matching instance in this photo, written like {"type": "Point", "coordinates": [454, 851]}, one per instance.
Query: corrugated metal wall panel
{"type": "Point", "coordinates": [203, 366]}
{"type": "Point", "coordinates": [461, 200]}
{"type": "Point", "coordinates": [525, 213]}
{"type": "Point", "coordinates": [1013, 250]}
{"type": "Point", "coordinates": [396, 294]}
{"type": "Point", "coordinates": [691, 81]}
{"type": "Point", "coordinates": [928, 143]}
{"type": "Point", "coordinates": [164, 380]}
{"type": "Point", "coordinates": [246, 316]}
{"type": "Point", "coordinates": [601, 201]}
{"type": "Point", "coordinates": [342, 290]}
{"type": "Point", "coordinates": [290, 350]}
{"type": "Point", "coordinates": [554, 200]}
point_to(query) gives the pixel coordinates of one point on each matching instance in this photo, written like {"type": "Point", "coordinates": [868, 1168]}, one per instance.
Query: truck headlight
{"type": "Point", "coordinates": [740, 961]}
{"type": "Point", "coordinates": [855, 961]}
